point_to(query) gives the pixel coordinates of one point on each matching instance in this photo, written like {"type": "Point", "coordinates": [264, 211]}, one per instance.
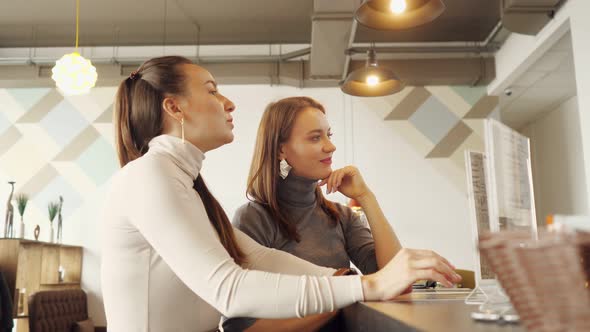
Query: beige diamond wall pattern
{"type": "Point", "coordinates": [53, 145]}
{"type": "Point", "coordinates": [439, 122]}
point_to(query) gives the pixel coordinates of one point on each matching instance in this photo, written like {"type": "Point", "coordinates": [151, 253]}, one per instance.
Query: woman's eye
{"type": "Point", "coordinates": [330, 135]}
{"type": "Point", "coordinates": [315, 138]}
{"type": "Point", "coordinates": [214, 92]}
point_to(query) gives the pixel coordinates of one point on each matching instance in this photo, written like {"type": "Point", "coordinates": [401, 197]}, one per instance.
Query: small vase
{"type": "Point", "coordinates": [59, 233]}
{"type": "Point", "coordinates": [21, 230]}
{"type": "Point", "coordinates": [51, 235]}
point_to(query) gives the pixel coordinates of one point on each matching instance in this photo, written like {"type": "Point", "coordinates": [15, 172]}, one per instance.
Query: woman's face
{"type": "Point", "coordinates": [309, 148]}
{"type": "Point", "coordinates": [208, 122]}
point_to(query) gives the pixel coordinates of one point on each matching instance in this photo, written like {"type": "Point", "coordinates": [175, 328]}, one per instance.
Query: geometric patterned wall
{"type": "Point", "coordinates": [439, 122]}
{"type": "Point", "coordinates": [53, 145]}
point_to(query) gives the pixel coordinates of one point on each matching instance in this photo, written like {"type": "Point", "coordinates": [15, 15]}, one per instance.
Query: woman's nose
{"type": "Point", "coordinates": [330, 147]}
{"type": "Point", "coordinates": [229, 105]}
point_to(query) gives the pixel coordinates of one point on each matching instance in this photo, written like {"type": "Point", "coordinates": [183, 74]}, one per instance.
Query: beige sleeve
{"type": "Point", "coordinates": [266, 259]}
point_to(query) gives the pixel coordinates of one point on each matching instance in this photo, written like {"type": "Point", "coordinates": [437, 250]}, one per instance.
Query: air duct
{"type": "Point", "coordinates": [528, 17]}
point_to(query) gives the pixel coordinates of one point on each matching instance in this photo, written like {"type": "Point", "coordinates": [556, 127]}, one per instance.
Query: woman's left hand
{"type": "Point", "coordinates": [348, 181]}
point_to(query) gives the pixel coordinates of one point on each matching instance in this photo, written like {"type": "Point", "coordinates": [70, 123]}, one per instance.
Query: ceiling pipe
{"type": "Point", "coordinates": [128, 60]}
{"type": "Point", "coordinates": [425, 49]}
{"type": "Point", "coordinates": [484, 48]}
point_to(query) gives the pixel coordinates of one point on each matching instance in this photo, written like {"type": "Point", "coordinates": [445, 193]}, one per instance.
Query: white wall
{"type": "Point", "coordinates": [580, 29]}
{"type": "Point", "coordinates": [519, 52]}
{"type": "Point", "coordinates": [558, 162]}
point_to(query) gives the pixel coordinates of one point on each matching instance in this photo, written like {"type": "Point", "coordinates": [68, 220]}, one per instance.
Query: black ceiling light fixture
{"type": "Point", "coordinates": [372, 80]}
{"type": "Point", "coordinates": [398, 14]}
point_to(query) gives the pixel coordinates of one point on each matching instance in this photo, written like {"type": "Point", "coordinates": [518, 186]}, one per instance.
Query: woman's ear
{"type": "Point", "coordinates": [171, 106]}
{"type": "Point", "coordinates": [282, 154]}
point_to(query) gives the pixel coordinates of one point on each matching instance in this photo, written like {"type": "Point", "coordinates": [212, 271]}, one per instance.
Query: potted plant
{"type": "Point", "coordinates": [21, 202]}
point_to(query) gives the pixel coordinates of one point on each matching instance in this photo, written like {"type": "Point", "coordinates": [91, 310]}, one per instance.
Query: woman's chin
{"type": "Point", "coordinates": [229, 138]}
{"type": "Point", "coordinates": [325, 174]}
{"type": "Point", "coordinates": [223, 141]}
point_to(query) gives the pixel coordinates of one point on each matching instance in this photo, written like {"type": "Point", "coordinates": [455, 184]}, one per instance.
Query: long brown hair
{"type": "Point", "coordinates": [138, 119]}
{"type": "Point", "coordinates": [263, 180]}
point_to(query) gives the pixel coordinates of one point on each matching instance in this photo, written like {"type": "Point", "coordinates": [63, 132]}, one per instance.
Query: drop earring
{"type": "Point", "coordinates": [285, 168]}
{"type": "Point", "coordinates": [182, 129]}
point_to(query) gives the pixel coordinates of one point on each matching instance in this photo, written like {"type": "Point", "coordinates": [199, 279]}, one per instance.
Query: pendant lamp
{"type": "Point", "coordinates": [398, 14]}
{"type": "Point", "coordinates": [73, 74]}
{"type": "Point", "coordinates": [372, 80]}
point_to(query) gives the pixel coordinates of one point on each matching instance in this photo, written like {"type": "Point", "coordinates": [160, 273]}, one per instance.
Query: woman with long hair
{"type": "Point", "coordinates": [171, 259]}
{"type": "Point", "coordinates": [288, 211]}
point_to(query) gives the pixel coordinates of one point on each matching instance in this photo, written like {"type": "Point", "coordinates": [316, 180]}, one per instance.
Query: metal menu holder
{"type": "Point", "coordinates": [487, 289]}
{"type": "Point", "coordinates": [478, 208]}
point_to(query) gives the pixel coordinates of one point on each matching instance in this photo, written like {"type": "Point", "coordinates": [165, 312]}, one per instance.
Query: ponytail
{"type": "Point", "coordinates": [126, 149]}
{"type": "Point", "coordinates": [219, 220]}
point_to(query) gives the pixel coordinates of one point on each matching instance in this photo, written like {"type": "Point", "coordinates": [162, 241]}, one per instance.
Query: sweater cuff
{"type": "Point", "coordinates": [347, 290]}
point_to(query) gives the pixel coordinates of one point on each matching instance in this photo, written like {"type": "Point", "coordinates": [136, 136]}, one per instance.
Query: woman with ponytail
{"type": "Point", "coordinates": [171, 259]}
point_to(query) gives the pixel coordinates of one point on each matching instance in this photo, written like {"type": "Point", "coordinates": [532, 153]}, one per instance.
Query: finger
{"type": "Point", "coordinates": [430, 253]}
{"type": "Point", "coordinates": [337, 181]}
{"type": "Point", "coordinates": [328, 179]}
{"type": "Point", "coordinates": [332, 180]}
{"type": "Point", "coordinates": [422, 252]}
{"type": "Point", "coordinates": [431, 274]}
{"type": "Point", "coordinates": [349, 170]}
{"type": "Point", "coordinates": [340, 179]}
{"type": "Point", "coordinates": [446, 261]}
{"type": "Point", "coordinates": [451, 267]}
{"type": "Point", "coordinates": [354, 172]}
{"type": "Point", "coordinates": [438, 265]}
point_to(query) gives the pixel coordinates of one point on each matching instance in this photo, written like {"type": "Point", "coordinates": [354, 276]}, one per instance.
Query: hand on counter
{"type": "Point", "coordinates": [407, 267]}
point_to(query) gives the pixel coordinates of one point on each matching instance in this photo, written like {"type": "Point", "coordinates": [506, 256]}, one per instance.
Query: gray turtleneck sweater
{"type": "Point", "coordinates": [321, 242]}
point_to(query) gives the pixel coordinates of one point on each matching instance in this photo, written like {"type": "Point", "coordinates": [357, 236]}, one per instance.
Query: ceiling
{"type": "Point", "coordinates": [35, 23]}
{"type": "Point", "coordinates": [545, 85]}
{"type": "Point", "coordinates": [313, 35]}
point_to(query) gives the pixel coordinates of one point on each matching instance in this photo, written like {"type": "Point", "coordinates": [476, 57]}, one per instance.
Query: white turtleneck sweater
{"type": "Point", "coordinates": [164, 269]}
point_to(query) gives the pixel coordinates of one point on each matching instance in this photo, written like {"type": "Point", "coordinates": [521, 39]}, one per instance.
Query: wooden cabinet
{"type": "Point", "coordinates": [31, 266]}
